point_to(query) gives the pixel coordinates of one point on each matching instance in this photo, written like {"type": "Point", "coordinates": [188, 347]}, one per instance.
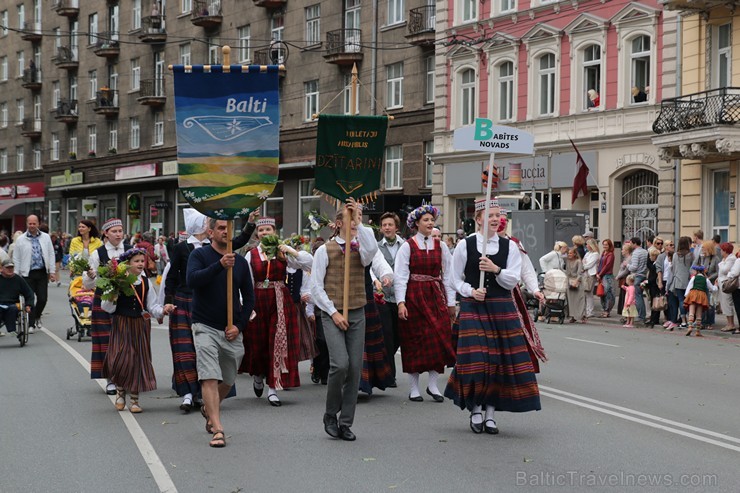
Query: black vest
{"type": "Point", "coordinates": [103, 253]}
{"type": "Point", "coordinates": [129, 306]}
{"type": "Point", "coordinates": [369, 288]}
{"type": "Point", "coordinates": [295, 281]}
{"type": "Point", "coordinates": [472, 271]}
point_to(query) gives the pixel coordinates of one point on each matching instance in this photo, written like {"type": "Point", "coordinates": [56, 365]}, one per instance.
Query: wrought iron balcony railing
{"type": "Point", "coordinates": [343, 41]}
{"type": "Point", "coordinates": [422, 19]}
{"type": "Point", "coordinates": [31, 78]}
{"type": "Point", "coordinates": [65, 55]}
{"type": "Point", "coordinates": [702, 109]}
{"type": "Point", "coordinates": [206, 13]}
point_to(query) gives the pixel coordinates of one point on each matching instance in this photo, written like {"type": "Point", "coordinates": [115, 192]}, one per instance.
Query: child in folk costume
{"type": "Point", "coordinates": [426, 303]}
{"type": "Point", "coordinates": [273, 337]}
{"type": "Point", "coordinates": [697, 298]}
{"type": "Point", "coordinates": [494, 369]}
{"type": "Point", "coordinates": [128, 362]}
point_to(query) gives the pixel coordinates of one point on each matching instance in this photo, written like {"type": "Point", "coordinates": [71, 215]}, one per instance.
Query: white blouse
{"type": "Point", "coordinates": [303, 261]}
{"type": "Point", "coordinates": [152, 304]}
{"type": "Point", "coordinates": [402, 273]}
{"type": "Point", "coordinates": [507, 278]}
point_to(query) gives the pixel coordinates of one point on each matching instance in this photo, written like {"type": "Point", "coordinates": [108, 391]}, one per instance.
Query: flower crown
{"type": "Point", "coordinates": [131, 252]}
{"type": "Point", "coordinates": [416, 214]}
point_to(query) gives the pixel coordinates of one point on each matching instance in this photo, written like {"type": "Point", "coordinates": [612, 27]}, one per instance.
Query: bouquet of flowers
{"type": "Point", "coordinates": [316, 220]}
{"type": "Point", "coordinates": [299, 242]}
{"type": "Point", "coordinates": [270, 244]}
{"type": "Point", "coordinates": [114, 279]}
{"type": "Point", "coordinates": [78, 264]}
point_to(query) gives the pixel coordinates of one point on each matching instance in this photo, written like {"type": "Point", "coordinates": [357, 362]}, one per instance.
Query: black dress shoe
{"type": "Point", "coordinates": [275, 401]}
{"type": "Point", "coordinates": [418, 398]}
{"type": "Point", "coordinates": [258, 390]}
{"type": "Point", "coordinates": [393, 385]}
{"type": "Point", "coordinates": [491, 430]}
{"type": "Point", "coordinates": [476, 427]}
{"type": "Point", "coordinates": [330, 425]}
{"type": "Point", "coordinates": [436, 397]}
{"type": "Point", "coordinates": [346, 434]}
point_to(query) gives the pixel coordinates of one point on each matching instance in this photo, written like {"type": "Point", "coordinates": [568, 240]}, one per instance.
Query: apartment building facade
{"type": "Point", "coordinates": [87, 129]}
{"type": "Point", "coordinates": [591, 71]}
{"type": "Point", "coordinates": [698, 129]}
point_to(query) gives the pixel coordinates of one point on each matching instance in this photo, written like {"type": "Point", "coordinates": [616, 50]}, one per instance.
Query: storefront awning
{"type": "Point", "coordinates": [6, 205]}
{"type": "Point", "coordinates": [86, 186]}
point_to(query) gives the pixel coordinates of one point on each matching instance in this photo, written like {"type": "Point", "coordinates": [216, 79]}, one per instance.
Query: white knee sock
{"type": "Point", "coordinates": [489, 412]}
{"type": "Point", "coordinates": [476, 417]}
{"type": "Point", "coordinates": [432, 385]}
{"type": "Point", "coordinates": [258, 381]}
{"type": "Point", "coordinates": [188, 397]}
{"type": "Point", "coordinates": [414, 384]}
{"type": "Point", "coordinates": [270, 391]}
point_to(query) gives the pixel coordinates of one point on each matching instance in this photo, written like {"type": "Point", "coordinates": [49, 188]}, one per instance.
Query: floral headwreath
{"type": "Point", "coordinates": [126, 256]}
{"type": "Point", "coordinates": [698, 268]}
{"type": "Point", "coordinates": [416, 214]}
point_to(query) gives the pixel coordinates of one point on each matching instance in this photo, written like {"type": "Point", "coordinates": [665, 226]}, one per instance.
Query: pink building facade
{"type": "Point", "coordinates": [592, 71]}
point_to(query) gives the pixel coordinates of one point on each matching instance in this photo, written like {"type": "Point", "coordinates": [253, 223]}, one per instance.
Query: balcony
{"type": "Point", "coordinates": [151, 92]}
{"type": "Point", "coordinates": [106, 102]}
{"type": "Point", "coordinates": [343, 46]}
{"type": "Point", "coordinates": [31, 128]}
{"type": "Point", "coordinates": [107, 45]}
{"type": "Point", "coordinates": [422, 26]}
{"type": "Point", "coordinates": [271, 4]}
{"type": "Point", "coordinates": [66, 58]}
{"type": "Point", "coordinates": [31, 31]}
{"type": "Point", "coordinates": [206, 13]}
{"type": "Point", "coordinates": [67, 8]}
{"type": "Point", "coordinates": [700, 125]}
{"type": "Point", "coordinates": [264, 57]}
{"type": "Point", "coordinates": [31, 79]}
{"type": "Point", "coordinates": [66, 111]}
{"type": "Point", "coordinates": [152, 29]}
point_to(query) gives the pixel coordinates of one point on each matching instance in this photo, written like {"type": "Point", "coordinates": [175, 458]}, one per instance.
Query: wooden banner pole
{"type": "Point", "coordinates": [347, 216]}
{"type": "Point", "coordinates": [485, 216]}
{"type": "Point", "coordinates": [226, 50]}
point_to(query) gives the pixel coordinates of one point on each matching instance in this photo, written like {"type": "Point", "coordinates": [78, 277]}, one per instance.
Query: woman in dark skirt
{"type": "Point", "coordinates": [128, 362]}
{"type": "Point", "coordinates": [494, 369]}
{"type": "Point", "coordinates": [376, 371]}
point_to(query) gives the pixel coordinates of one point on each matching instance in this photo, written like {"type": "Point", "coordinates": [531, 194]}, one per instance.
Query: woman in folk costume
{"type": "Point", "coordinates": [177, 292]}
{"type": "Point", "coordinates": [113, 247]}
{"type": "Point", "coordinates": [529, 278]}
{"type": "Point", "coordinates": [273, 337]}
{"type": "Point", "coordinates": [376, 371]}
{"type": "Point", "coordinates": [494, 369]}
{"type": "Point", "coordinates": [298, 282]}
{"type": "Point", "coordinates": [426, 303]}
{"type": "Point", "coordinates": [128, 362]}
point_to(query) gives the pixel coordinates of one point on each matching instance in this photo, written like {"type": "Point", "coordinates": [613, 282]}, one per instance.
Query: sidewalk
{"type": "Point", "coordinates": [615, 321]}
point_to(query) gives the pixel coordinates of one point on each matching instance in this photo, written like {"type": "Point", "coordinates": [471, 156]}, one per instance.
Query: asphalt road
{"type": "Point", "coordinates": [623, 410]}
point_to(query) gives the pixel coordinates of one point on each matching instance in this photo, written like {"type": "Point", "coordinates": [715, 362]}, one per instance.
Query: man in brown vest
{"type": "Point", "coordinates": [345, 338]}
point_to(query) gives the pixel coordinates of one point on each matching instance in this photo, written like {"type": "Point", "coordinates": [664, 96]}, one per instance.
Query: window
{"type": "Point", "coordinates": [273, 206]}
{"type": "Point", "coordinates": [395, 11]}
{"type": "Point", "coordinates": [245, 41]}
{"type": "Point", "coordinates": [3, 68]}
{"type": "Point", "coordinates": [19, 158]}
{"type": "Point", "coordinates": [591, 76]}
{"type": "Point", "coordinates": [467, 97]}
{"type": "Point", "coordinates": [73, 142]}
{"type": "Point", "coordinates": [640, 63]}
{"type": "Point", "coordinates": [54, 147]}
{"type": "Point", "coordinates": [112, 135]}
{"type": "Point", "coordinates": [307, 202]}
{"type": "Point", "coordinates": [348, 96]}
{"type": "Point", "coordinates": [158, 129]}
{"type": "Point", "coordinates": [92, 139]}
{"type": "Point", "coordinates": [311, 91]}
{"type": "Point", "coordinates": [507, 5]}
{"type": "Point", "coordinates": [722, 60]}
{"type": "Point", "coordinates": [4, 22]}
{"type": "Point", "coordinates": [21, 16]}
{"type": "Point", "coordinates": [92, 78]}
{"type": "Point", "coordinates": [135, 74]}
{"type": "Point", "coordinates": [20, 111]}
{"type": "Point", "coordinates": [469, 11]}
{"type": "Point", "coordinates": [136, 15]}
{"type": "Point", "coordinates": [185, 54]}
{"type": "Point", "coordinates": [429, 80]}
{"type": "Point", "coordinates": [214, 50]}
{"type": "Point", "coordinates": [134, 137]}
{"type": "Point", "coordinates": [3, 114]}
{"type": "Point", "coordinates": [547, 84]}
{"type": "Point", "coordinates": [277, 25]}
{"type": "Point", "coordinates": [92, 29]}
{"type": "Point", "coordinates": [394, 96]}
{"type": "Point", "coordinates": [393, 167]}
{"type": "Point", "coordinates": [428, 163]}
{"type": "Point", "coordinates": [36, 156]}
{"type": "Point", "coordinates": [505, 91]}
{"type": "Point", "coordinates": [3, 160]}
{"type": "Point", "coordinates": [73, 87]}
{"type": "Point", "coordinates": [721, 204]}
{"type": "Point", "coordinates": [21, 62]}
{"type": "Point", "coordinates": [57, 34]}
{"type": "Point", "coordinates": [186, 6]}
{"type": "Point", "coordinates": [313, 31]}
{"type": "Point", "coordinates": [113, 20]}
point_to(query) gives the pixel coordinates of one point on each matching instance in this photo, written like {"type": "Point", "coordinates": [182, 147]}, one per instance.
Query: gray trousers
{"type": "Point", "coordinates": [345, 364]}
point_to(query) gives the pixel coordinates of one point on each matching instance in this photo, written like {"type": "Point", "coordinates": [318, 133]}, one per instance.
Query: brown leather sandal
{"type": "Point", "coordinates": [218, 441]}
{"type": "Point", "coordinates": [204, 413]}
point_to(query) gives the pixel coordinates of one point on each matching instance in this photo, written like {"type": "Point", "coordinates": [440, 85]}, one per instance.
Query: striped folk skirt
{"type": "Point", "coordinates": [376, 372]}
{"type": "Point", "coordinates": [308, 349]}
{"type": "Point", "coordinates": [100, 322]}
{"type": "Point", "coordinates": [494, 367]}
{"type": "Point", "coordinates": [185, 373]}
{"type": "Point", "coordinates": [128, 362]}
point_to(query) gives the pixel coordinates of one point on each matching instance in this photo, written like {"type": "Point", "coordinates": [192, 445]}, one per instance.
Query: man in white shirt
{"type": "Point", "coordinates": [389, 246]}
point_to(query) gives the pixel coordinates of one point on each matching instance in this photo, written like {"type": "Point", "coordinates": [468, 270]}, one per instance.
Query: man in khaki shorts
{"type": "Point", "coordinates": [218, 347]}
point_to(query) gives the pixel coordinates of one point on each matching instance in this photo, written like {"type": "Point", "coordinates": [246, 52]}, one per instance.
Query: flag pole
{"type": "Point", "coordinates": [347, 217]}
{"type": "Point", "coordinates": [485, 215]}
{"type": "Point", "coordinates": [229, 224]}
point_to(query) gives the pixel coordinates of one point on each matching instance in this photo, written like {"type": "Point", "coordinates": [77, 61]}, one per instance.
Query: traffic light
{"type": "Point", "coordinates": [494, 179]}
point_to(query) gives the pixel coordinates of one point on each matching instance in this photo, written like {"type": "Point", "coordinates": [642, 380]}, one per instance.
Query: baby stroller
{"type": "Point", "coordinates": [80, 304]}
{"type": "Point", "coordinates": [555, 286]}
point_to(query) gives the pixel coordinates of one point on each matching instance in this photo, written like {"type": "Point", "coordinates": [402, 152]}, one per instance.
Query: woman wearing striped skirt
{"type": "Point", "coordinates": [128, 362]}
{"type": "Point", "coordinates": [494, 370]}
{"type": "Point", "coordinates": [376, 371]}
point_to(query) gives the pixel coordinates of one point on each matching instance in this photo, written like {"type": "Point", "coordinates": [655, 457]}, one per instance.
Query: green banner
{"type": "Point", "coordinates": [349, 155]}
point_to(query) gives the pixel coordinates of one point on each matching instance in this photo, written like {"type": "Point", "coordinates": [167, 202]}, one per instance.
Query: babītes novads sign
{"type": "Point", "coordinates": [349, 155]}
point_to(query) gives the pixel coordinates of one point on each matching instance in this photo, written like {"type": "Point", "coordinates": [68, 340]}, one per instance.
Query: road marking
{"type": "Point", "coordinates": [657, 421]}
{"type": "Point", "coordinates": [592, 342]}
{"type": "Point", "coordinates": [159, 472]}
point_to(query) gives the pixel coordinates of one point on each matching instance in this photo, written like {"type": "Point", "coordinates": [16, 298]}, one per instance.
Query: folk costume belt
{"type": "Point", "coordinates": [280, 355]}
{"type": "Point", "coordinates": [436, 280]}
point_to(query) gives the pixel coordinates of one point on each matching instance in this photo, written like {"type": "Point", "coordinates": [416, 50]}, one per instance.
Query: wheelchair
{"type": "Point", "coordinates": [21, 323]}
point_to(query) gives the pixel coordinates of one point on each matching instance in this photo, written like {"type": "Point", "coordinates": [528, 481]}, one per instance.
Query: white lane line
{"type": "Point", "coordinates": [592, 342]}
{"type": "Point", "coordinates": [159, 472]}
{"type": "Point", "coordinates": [665, 422]}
